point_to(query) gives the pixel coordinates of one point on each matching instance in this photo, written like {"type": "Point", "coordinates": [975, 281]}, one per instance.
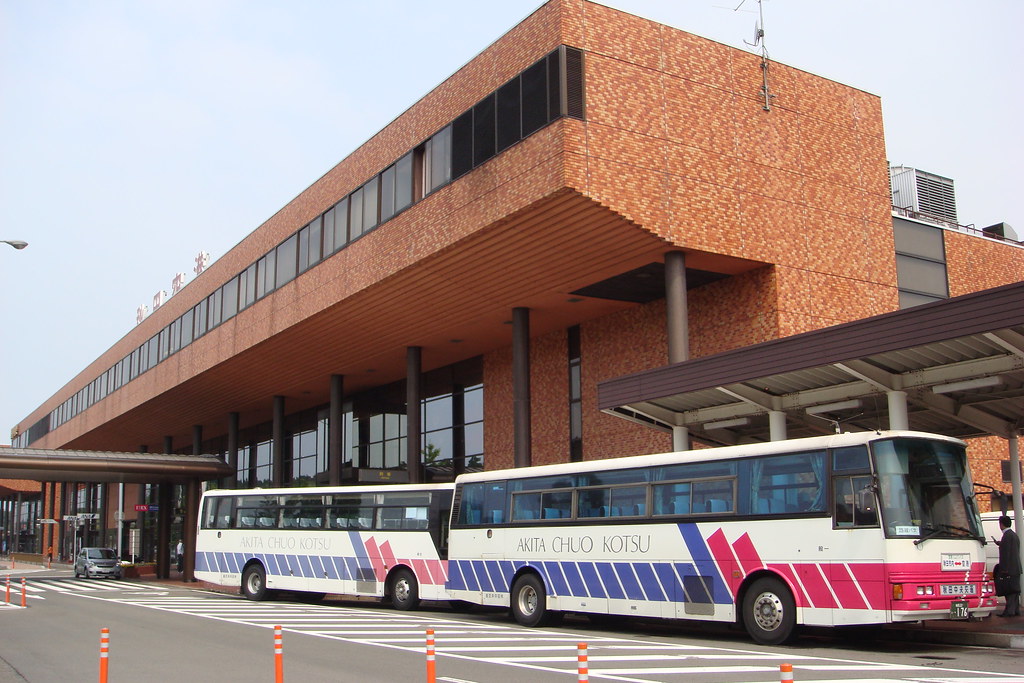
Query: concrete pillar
{"type": "Point", "coordinates": [189, 523]}
{"type": "Point", "coordinates": [898, 418]}
{"type": "Point", "coordinates": [335, 430]}
{"type": "Point", "coordinates": [413, 423]}
{"type": "Point", "coordinates": [277, 447]}
{"type": "Point", "coordinates": [521, 425]}
{"type": "Point", "coordinates": [680, 438]}
{"type": "Point", "coordinates": [677, 319]}
{"type": "Point", "coordinates": [232, 455]}
{"type": "Point", "coordinates": [777, 425]}
{"type": "Point", "coordinates": [1015, 491]}
{"type": "Point", "coordinates": [163, 530]}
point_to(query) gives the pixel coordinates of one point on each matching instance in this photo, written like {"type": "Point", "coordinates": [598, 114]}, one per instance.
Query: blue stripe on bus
{"type": "Point", "coordinates": [495, 574]}
{"type": "Point", "coordinates": [577, 586]}
{"type": "Point", "coordinates": [669, 581]}
{"type": "Point", "coordinates": [611, 583]}
{"type": "Point", "coordinates": [508, 570]}
{"type": "Point", "coordinates": [455, 581]}
{"type": "Point", "coordinates": [558, 583]}
{"type": "Point", "coordinates": [305, 567]}
{"type": "Point", "coordinates": [592, 580]}
{"type": "Point", "coordinates": [705, 564]}
{"type": "Point", "coordinates": [624, 570]}
{"type": "Point", "coordinates": [470, 576]}
{"type": "Point", "coordinates": [649, 582]}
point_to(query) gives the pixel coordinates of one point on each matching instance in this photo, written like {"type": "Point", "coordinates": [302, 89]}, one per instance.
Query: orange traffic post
{"type": "Point", "coordinates": [786, 673]}
{"type": "Point", "coordinates": [23, 602]}
{"type": "Point", "coordinates": [104, 653]}
{"type": "Point", "coordinates": [431, 665]}
{"type": "Point", "coordinates": [582, 669]}
{"type": "Point", "coordinates": [8, 599]}
{"type": "Point", "coordinates": [278, 656]}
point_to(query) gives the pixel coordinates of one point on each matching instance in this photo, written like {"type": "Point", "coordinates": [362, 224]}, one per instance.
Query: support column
{"type": "Point", "coordinates": [197, 439]}
{"type": "Point", "coordinates": [521, 427]}
{"type": "Point", "coordinates": [163, 530]}
{"type": "Point", "coordinates": [413, 426]}
{"type": "Point", "coordinates": [104, 495]}
{"type": "Point", "coordinates": [777, 425]}
{"type": "Point", "coordinates": [52, 542]}
{"type": "Point", "coordinates": [677, 318]}
{"type": "Point", "coordinates": [188, 535]}
{"type": "Point", "coordinates": [898, 418]}
{"type": "Point", "coordinates": [680, 438]}
{"type": "Point", "coordinates": [1015, 491]}
{"type": "Point", "coordinates": [335, 429]}
{"type": "Point", "coordinates": [232, 479]}
{"type": "Point", "coordinates": [277, 448]}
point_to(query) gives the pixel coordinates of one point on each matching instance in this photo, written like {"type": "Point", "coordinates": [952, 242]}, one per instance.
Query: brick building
{"type": "Point", "coordinates": [592, 195]}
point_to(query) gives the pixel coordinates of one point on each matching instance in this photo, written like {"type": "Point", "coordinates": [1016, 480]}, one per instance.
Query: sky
{"type": "Point", "coordinates": [135, 134]}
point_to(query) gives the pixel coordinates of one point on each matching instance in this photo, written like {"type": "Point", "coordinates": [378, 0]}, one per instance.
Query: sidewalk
{"type": "Point", "coordinates": [994, 631]}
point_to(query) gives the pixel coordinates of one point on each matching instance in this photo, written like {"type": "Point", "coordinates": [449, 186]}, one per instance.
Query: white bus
{"type": "Point", "coordinates": [384, 541]}
{"type": "Point", "coordinates": [865, 528]}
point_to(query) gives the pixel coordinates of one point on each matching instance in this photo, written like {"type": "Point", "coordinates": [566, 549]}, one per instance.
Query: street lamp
{"type": "Point", "coordinates": [17, 244]}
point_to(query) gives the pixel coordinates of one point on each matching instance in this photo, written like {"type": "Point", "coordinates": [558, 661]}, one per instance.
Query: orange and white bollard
{"type": "Point", "coordinates": [104, 653]}
{"type": "Point", "coordinates": [8, 599]}
{"type": "Point", "coordinates": [431, 664]}
{"type": "Point", "coordinates": [278, 656]}
{"type": "Point", "coordinates": [23, 601]}
{"type": "Point", "coordinates": [582, 669]}
{"type": "Point", "coordinates": [786, 673]}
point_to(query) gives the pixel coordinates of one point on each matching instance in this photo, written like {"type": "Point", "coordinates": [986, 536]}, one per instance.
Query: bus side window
{"type": "Point", "coordinates": [483, 503]}
{"type": "Point", "coordinates": [854, 502]}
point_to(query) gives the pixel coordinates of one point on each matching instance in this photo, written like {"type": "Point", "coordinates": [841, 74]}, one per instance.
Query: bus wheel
{"type": "Point", "coordinates": [769, 612]}
{"type": "Point", "coordinates": [254, 582]}
{"type": "Point", "coordinates": [529, 603]}
{"type": "Point", "coordinates": [405, 593]}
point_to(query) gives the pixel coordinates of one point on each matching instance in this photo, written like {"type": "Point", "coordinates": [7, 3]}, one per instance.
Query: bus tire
{"type": "Point", "coordinates": [254, 583]}
{"type": "Point", "coordinates": [529, 601]}
{"type": "Point", "coordinates": [769, 611]}
{"type": "Point", "coordinates": [405, 592]}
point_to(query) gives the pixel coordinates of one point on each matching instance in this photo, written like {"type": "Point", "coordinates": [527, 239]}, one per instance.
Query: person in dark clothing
{"type": "Point", "coordinates": [1009, 567]}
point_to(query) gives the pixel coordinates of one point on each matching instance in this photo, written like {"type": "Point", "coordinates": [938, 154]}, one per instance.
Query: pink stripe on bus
{"type": "Point", "coordinates": [814, 583]}
{"type": "Point", "coordinates": [747, 555]}
{"type": "Point", "coordinates": [723, 556]}
{"type": "Point", "coordinates": [844, 586]}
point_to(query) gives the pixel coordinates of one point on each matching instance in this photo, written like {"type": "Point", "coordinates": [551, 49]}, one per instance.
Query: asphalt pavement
{"type": "Point", "coordinates": [992, 631]}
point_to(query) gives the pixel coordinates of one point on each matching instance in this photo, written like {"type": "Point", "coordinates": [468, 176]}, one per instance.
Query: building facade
{"type": "Point", "coordinates": [592, 195]}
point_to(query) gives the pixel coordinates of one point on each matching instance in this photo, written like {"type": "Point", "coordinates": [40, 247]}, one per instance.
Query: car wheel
{"type": "Point", "coordinates": [254, 583]}
{"type": "Point", "coordinates": [405, 593]}
{"type": "Point", "coordinates": [529, 602]}
{"type": "Point", "coordinates": [769, 611]}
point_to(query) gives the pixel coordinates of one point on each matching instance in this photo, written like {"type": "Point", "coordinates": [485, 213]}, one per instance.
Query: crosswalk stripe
{"type": "Point", "coordinates": [611, 658]}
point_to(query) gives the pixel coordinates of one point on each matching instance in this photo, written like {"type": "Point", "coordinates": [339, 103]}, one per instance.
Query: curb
{"type": "Point", "coordinates": [1006, 641]}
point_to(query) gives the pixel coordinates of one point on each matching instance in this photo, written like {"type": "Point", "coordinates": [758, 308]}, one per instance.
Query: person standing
{"type": "Point", "coordinates": [1010, 567]}
{"type": "Point", "coordinates": [179, 551]}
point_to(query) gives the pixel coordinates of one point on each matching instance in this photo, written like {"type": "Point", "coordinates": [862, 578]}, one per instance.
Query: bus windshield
{"type": "Point", "coordinates": [925, 489]}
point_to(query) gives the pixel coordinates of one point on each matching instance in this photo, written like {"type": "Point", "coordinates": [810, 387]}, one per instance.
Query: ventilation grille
{"type": "Point", "coordinates": [935, 196]}
{"type": "Point", "coordinates": [574, 82]}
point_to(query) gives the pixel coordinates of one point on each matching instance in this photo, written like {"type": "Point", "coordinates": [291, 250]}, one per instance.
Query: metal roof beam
{"type": "Point", "coordinates": [872, 374]}
{"type": "Point", "coordinates": [966, 414]}
{"type": "Point", "coordinates": [1009, 340]}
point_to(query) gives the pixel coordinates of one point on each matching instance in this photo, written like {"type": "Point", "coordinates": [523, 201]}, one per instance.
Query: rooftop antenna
{"type": "Point", "coordinates": [760, 42]}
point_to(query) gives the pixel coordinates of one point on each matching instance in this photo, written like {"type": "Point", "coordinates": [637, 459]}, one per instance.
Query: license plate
{"type": "Point", "coordinates": [957, 589]}
{"type": "Point", "coordinates": [958, 610]}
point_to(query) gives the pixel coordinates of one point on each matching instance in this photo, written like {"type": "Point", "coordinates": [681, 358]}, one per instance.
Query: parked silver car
{"type": "Point", "coordinates": [92, 562]}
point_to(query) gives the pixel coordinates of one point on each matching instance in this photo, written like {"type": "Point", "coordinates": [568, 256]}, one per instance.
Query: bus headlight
{"type": "Point", "coordinates": [925, 590]}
